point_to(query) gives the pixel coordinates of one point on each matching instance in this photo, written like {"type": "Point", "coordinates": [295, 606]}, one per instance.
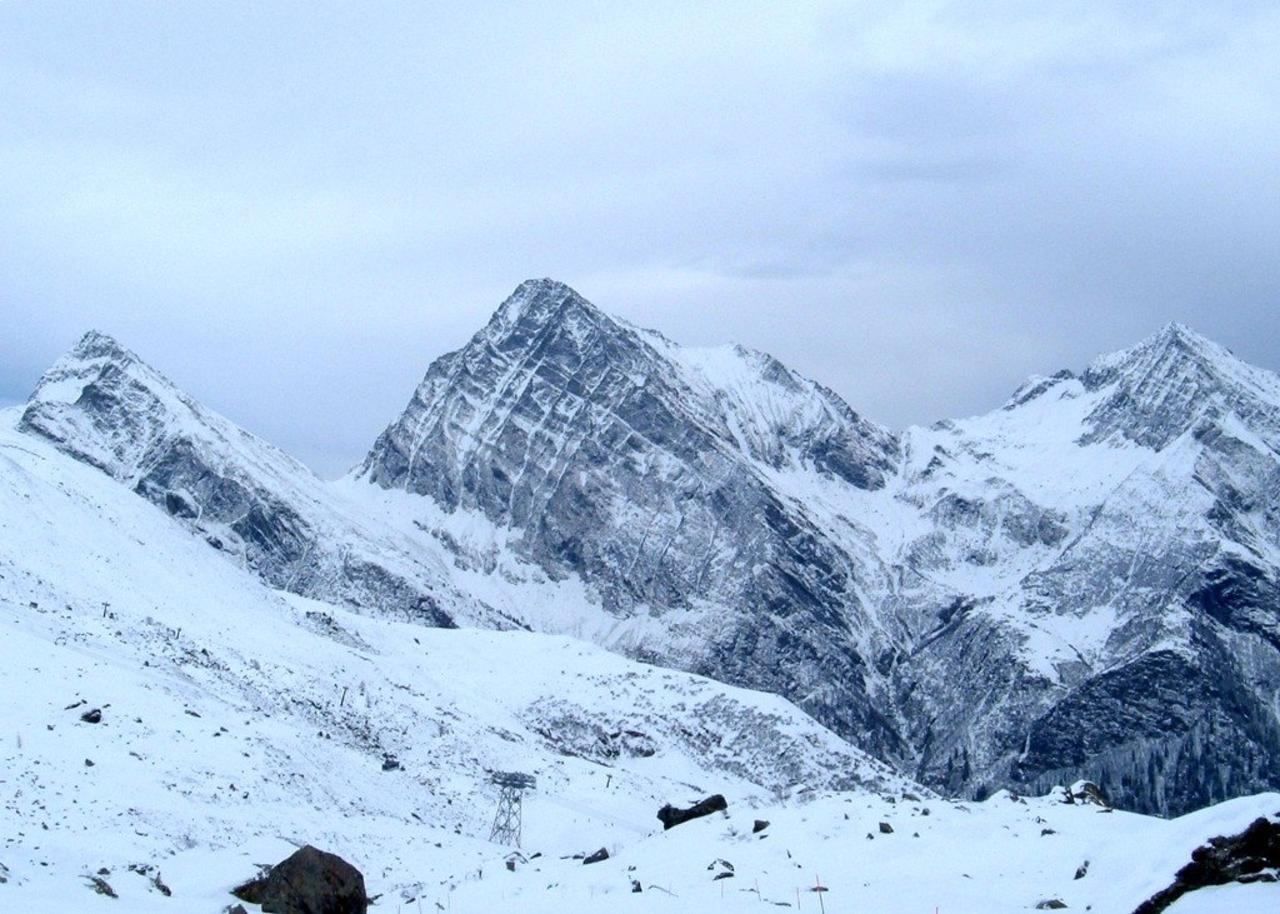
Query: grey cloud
{"type": "Point", "coordinates": [918, 204]}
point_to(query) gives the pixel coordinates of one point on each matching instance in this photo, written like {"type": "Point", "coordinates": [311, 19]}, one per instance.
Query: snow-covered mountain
{"type": "Point", "coordinates": [104, 406]}
{"type": "Point", "coordinates": [1110, 541]}
{"type": "Point", "coordinates": [234, 722]}
{"type": "Point", "coordinates": [1081, 583]}
{"type": "Point", "coordinates": [231, 713]}
{"type": "Point", "coordinates": [633, 466]}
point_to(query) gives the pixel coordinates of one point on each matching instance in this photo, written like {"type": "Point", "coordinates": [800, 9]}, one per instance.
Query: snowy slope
{"type": "Point", "coordinates": [239, 721]}
{"type": "Point", "coordinates": [236, 719]}
{"type": "Point", "coordinates": [1004, 855]}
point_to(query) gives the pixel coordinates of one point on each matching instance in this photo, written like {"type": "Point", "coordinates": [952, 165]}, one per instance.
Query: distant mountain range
{"type": "Point", "coordinates": [1083, 583]}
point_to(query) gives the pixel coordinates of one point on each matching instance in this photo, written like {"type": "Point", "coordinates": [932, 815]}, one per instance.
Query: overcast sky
{"type": "Point", "coordinates": [292, 209]}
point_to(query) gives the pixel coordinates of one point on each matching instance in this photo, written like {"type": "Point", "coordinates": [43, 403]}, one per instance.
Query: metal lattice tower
{"type": "Point", "coordinates": [511, 788]}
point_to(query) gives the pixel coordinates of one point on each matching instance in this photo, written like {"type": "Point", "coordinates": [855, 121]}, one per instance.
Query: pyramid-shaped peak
{"type": "Point", "coordinates": [538, 301]}
{"type": "Point", "coordinates": [1173, 336]}
{"type": "Point", "coordinates": [98, 345]}
{"type": "Point", "coordinates": [97, 356]}
{"type": "Point", "coordinates": [1177, 334]}
{"type": "Point", "coordinates": [1162, 387]}
{"type": "Point", "coordinates": [1170, 349]}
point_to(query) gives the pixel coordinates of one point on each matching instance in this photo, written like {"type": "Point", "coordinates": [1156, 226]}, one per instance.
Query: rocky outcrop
{"type": "Point", "coordinates": [670, 816]}
{"type": "Point", "coordinates": [308, 881]}
{"type": "Point", "coordinates": [1251, 856]}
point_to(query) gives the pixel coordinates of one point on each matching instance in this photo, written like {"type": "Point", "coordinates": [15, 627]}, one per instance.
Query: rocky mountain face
{"type": "Point", "coordinates": [1082, 583]}
{"type": "Point", "coordinates": [1111, 542]}
{"type": "Point", "coordinates": [263, 509]}
{"type": "Point", "coordinates": [622, 464]}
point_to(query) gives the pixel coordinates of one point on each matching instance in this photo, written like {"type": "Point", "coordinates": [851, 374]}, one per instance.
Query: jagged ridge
{"type": "Point", "coordinates": [1082, 582]}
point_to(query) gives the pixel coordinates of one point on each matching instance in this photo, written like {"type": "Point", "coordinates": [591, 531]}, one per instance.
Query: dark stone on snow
{"type": "Point", "coordinates": [309, 881]}
{"type": "Point", "coordinates": [598, 857]}
{"type": "Point", "coordinates": [92, 717]}
{"type": "Point", "coordinates": [671, 817]}
{"type": "Point", "coordinates": [1251, 856]}
{"type": "Point", "coordinates": [1082, 870]}
{"type": "Point", "coordinates": [886, 828]}
{"type": "Point", "coordinates": [1051, 904]}
{"type": "Point", "coordinates": [635, 887]}
{"type": "Point", "coordinates": [390, 763]}
{"type": "Point", "coordinates": [1088, 792]}
{"type": "Point", "coordinates": [759, 826]}
{"type": "Point", "coordinates": [101, 886]}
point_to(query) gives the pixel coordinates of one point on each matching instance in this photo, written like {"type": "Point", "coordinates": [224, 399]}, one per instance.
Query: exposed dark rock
{"type": "Point", "coordinates": [598, 857]}
{"type": "Point", "coordinates": [101, 886]}
{"type": "Point", "coordinates": [1087, 792]}
{"type": "Point", "coordinates": [1082, 870]}
{"type": "Point", "coordinates": [886, 828]}
{"type": "Point", "coordinates": [1251, 856]}
{"type": "Point", "coordinates": [92, 717]}
{"type": "Point", "coordinates": [1050, 904]}
{"type": "Point", "coordinates": [253, 890]}
{"type": "Point", "coordinates": [759, 826]}
{"type": "Point", "coordinates": [670, 816]}
{"type": "Point", "coordinates": [309, 881]}
{"type": "Point", "coordinates": [723, 869]}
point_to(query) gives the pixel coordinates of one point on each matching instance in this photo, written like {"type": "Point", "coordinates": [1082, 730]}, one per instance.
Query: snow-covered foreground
{"type": "Point", "coordinates": [1006, 854]}
{"type": "Point", "coordinates": [237, 722]}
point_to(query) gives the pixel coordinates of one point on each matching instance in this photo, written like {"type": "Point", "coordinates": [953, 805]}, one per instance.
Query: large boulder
{"type": "Point", "coordinates": [671, 817]}
{"type": "Point", "coordinates": [1251, 856]}
{"type": "Point", "coordinates": [309, 881]}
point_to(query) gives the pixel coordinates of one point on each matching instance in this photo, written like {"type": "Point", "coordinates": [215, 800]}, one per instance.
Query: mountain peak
{"type": "Point", "coordinates": [538, 301]}
{"type": "Point", "coordinates": [98, 345]}
{"type": "Point", "coordinates": [1165, 384]}
{"type": "Point", "coordinates": [1168, 349]}
{"type": "Point", "coordinates": [1181, 338]}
